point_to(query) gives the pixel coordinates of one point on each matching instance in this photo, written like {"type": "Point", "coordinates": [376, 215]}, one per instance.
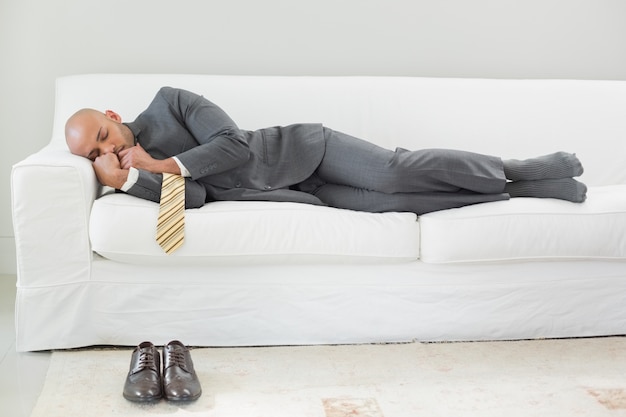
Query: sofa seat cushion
{"type": "Point", "coordinates": [122, 228]}
{"type": "Point", "coordinates": [529, 228]}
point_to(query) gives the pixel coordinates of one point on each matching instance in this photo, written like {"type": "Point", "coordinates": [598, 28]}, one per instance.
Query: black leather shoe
{"type": "Point", "coordinates": [143, 382]}
{"type": "Point", "coordinates": [180, 382]}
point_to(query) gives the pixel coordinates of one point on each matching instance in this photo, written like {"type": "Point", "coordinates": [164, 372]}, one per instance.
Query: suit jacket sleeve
{"type": "Point", "coordinates": [221, 145]}
{"type": "Point", "coordinates": [148, 187]}
{"type": "Point", "coordinates": [199, 133]}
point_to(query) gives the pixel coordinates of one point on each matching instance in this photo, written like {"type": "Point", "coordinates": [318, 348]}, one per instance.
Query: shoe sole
{"type": "Point", "coordinates": [143, 399]}
{"type": "Point", "coordinates": [183, 399]}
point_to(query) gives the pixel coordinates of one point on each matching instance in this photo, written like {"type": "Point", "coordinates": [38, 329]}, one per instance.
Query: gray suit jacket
{"type": "Point", "coordinates": [225, 162]}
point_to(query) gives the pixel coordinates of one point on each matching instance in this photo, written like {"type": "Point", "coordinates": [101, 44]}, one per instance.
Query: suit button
{"type": "Point", "coordinates": [238, 185]}
{"type": "Point", "coordinates": [268, 187]}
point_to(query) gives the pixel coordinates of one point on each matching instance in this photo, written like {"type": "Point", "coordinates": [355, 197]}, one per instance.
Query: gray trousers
{"type": "Point", "coordinates": [358, 175]}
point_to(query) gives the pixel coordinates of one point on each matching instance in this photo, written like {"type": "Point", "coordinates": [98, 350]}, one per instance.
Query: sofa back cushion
{"type": "Point", "coordinates": [507, 118]}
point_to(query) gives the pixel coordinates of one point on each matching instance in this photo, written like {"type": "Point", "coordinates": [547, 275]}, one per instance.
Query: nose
{"type": "Point", "coordinates": [109, 148]}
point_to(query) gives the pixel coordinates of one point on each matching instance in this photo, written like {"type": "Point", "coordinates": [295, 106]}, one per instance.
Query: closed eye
{"type": "Point", "coordinates": [102, 135]}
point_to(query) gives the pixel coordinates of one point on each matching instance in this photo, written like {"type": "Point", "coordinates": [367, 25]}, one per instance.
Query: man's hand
{"type": "Point", "coordinates": [109, 171]}
{"type": "Point", "coordinates": [137, 157]}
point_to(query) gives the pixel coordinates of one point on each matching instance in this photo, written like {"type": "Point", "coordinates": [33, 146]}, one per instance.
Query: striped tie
{"type": "Point", "coordinates": [171, 223]}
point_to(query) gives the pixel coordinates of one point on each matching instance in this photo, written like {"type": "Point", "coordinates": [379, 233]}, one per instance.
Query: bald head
{"type": "Point", "coordinates": [91, 133]}
{"type": "Point", "coordinates": [78, 125]}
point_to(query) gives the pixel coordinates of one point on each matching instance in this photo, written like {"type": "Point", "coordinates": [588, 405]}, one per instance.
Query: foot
{"type": "Point", "coordinates": [564, 189]}
{"type": "Point", "coordinates": [553, 166]}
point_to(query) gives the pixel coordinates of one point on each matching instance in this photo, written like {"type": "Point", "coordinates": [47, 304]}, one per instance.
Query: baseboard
{"type": "Point", "coordinates": [8, 264]}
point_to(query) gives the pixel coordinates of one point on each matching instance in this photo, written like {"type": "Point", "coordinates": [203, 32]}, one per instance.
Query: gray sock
{"type": "Point", "coordinates": [552, 166]}
{"type": "Point", "coordinates": [563, 188]}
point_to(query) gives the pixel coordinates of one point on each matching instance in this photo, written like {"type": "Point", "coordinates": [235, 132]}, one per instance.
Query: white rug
{"type": "Point", "coordinates": [577, 377]}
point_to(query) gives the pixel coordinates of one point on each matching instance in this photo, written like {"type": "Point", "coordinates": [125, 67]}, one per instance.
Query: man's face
{"type": "Point", "coordinates": [90, 133]}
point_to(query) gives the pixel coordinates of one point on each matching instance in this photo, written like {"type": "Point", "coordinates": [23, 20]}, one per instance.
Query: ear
{"type": "Point", "coordinates": [113, 116]}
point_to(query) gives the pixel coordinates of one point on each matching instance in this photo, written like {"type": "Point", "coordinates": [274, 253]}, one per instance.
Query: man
{"type": "Point", "coordinates": [184, 133]}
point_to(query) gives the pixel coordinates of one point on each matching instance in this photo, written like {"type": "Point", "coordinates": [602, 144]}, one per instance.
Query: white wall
{"type": "Point", "coordinates": [41, 40]}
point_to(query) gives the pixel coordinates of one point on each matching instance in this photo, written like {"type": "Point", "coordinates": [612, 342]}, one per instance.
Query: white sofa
{"type": "Point", "coordinates": [264, 273]}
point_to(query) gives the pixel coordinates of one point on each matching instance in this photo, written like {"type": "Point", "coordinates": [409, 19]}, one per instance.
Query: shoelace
{"type": "Point", "coordinates": [146, 360]}
{"type": "Point", "coordinates": [176, 358]}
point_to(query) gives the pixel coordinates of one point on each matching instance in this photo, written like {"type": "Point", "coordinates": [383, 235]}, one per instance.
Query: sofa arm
{"type": "Point", "coordinates": [52, 192]}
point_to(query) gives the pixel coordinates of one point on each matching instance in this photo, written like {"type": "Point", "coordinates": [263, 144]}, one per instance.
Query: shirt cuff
{"type": "Point", "coordinates": [183, 171]}
{"type": "Point", "coordinates": [133, 176]}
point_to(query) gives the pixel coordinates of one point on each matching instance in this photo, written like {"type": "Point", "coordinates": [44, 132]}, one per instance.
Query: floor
{"type": "Point", "coordinates": [538, 378]}
{"type": "Point", "coordinates": [21, 374]}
